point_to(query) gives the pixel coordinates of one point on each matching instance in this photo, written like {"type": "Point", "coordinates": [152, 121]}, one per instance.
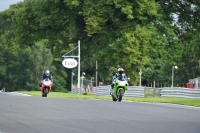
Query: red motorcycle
{"type": "Point", "coordinates": [46, 87]}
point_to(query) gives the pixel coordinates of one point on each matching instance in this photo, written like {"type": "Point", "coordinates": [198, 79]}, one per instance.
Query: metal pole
{"type": "Point", "coordinates": [72, 82]}
{"type": "Point", "coordinates": [79, 65]}
{"type": "Point", "coordinates": [140, 73]}
{"type": "Point", "coordinates": [96, 75]}
{"type": "Point", "coordinates": [91, 82]}
{"type": "Point", "coordinates": [172, 76]}
{"type": "Point", "coordinates": [82, 83]}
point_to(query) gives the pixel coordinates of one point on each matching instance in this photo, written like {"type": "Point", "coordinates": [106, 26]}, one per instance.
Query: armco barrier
{"type": "Point", "coordinates": [137, 91]}
{"type": "Point", "coordinates": [133, 91]}
{"type": "Point", "coordinates": [101, 91]}
{"type": "Point", "coordinates": [180, 92]}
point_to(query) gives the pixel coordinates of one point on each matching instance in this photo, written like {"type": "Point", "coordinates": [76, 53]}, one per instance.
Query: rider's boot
{"type": "Point", "coordinates": [111, 88]}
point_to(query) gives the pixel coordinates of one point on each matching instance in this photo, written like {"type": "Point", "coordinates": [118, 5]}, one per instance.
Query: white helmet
{"type": "Point", "coordinates": [120, 70]}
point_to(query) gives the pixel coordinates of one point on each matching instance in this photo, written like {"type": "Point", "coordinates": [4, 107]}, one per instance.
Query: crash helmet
{"type": "Point", "coordinates": [47, 73]}
{"type": "Point", "coordinates": [120, 70]}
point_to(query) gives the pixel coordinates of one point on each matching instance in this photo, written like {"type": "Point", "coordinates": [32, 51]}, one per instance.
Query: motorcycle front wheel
{"type": "Point", "coordinates": [120, 95]}
{"type": "Point", "coordinates": [46, 92]}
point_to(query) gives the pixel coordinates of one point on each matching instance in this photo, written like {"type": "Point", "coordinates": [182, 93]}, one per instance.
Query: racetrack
{"type": "Point", "coordinates": [25, 114]}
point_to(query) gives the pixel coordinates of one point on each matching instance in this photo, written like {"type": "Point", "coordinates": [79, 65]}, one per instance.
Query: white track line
{"type": "Point", "coordinates": [21, 94]}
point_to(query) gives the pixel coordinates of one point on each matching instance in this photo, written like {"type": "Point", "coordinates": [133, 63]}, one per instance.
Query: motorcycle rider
{"type": "Point", "coordinates": [115, 75]}
{"type": "Point", "coordinates": [45, 75]}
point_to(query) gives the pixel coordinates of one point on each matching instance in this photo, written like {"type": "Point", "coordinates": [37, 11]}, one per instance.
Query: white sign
{"type": "Point", "coordinates": [69, 63]}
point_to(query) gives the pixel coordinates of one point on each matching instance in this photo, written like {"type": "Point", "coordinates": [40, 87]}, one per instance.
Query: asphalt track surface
{"type": "Point", "coordinates": [26, 114]}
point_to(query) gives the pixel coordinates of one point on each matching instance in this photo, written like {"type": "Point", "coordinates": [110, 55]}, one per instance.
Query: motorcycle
{"type": "Point", "coordinates": [120, 86]}
{"type": "Point", "coordinates": [46, 87]}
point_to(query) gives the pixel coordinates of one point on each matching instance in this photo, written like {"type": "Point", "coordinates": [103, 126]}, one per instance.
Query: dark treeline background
{"type": "Point", "coordinates": [152, 35]}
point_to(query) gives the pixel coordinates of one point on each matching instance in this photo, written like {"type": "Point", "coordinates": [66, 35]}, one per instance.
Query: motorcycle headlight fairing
{"type": "Point", "coordinates": [47, 83]}
{"type": "Point", "coordinates": [122, 83]}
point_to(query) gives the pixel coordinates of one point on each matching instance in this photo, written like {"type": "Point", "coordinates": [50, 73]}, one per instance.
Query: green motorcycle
{"type": "Point", "coordinates": [120, 86]}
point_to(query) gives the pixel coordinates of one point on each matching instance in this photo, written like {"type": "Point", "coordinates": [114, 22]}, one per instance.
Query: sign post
{"type": "Point", "coordinates": [72, 63]}
{"type": "Point", "coordinates": [140, 73]}
{"type": "Point", "coordinates": [176, 67]}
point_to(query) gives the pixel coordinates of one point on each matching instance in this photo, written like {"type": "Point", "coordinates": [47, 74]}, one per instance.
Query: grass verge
{"type": "Point", "coordinates": [181, 101]}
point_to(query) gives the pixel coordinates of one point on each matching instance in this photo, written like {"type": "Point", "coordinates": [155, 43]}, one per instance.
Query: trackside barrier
{"type": "Point", "coordinates": [137, 91]}
{"type": "Point", "coordinates": [133, 91]}
{"type": "Point", "coordinates": [180, 92]}
{"type": "Point", "coordinates": [3, 90]}
{"type": "Point", "coordinates": [75, 91]}
{"type": "Point", "coordinates": [101, 91]}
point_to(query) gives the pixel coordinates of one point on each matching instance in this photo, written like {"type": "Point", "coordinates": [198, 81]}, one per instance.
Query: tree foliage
{"type": "Point", "coordinates": [145, 34]}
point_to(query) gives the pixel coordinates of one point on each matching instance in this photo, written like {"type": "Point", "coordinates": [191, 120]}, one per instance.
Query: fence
{"type": "Point", "coordinates": [86, 86]}
{"type": "Point", "coordinates": [137, 91]}
{"type": "Point", "coordinates": [3, 90]}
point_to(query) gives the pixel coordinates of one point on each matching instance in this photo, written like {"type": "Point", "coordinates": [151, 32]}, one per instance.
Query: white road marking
{"type": "Point", "coordinates": [20, 94]}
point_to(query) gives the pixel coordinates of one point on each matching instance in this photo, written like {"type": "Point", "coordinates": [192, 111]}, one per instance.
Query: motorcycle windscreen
{"type": "Point", "coordinates": [121, 78]}
{"type": "Point", "coordinates": [46, 79]}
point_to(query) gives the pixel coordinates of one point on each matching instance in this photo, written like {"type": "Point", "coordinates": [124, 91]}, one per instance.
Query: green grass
{"type": "Point", "coordinates": [64, 95]}
{"type": "Point", "coordinates": [181, 101]}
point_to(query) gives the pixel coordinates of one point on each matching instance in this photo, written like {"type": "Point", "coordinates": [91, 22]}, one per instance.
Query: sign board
{"type": "Point", "coordinates": [69, 63]}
